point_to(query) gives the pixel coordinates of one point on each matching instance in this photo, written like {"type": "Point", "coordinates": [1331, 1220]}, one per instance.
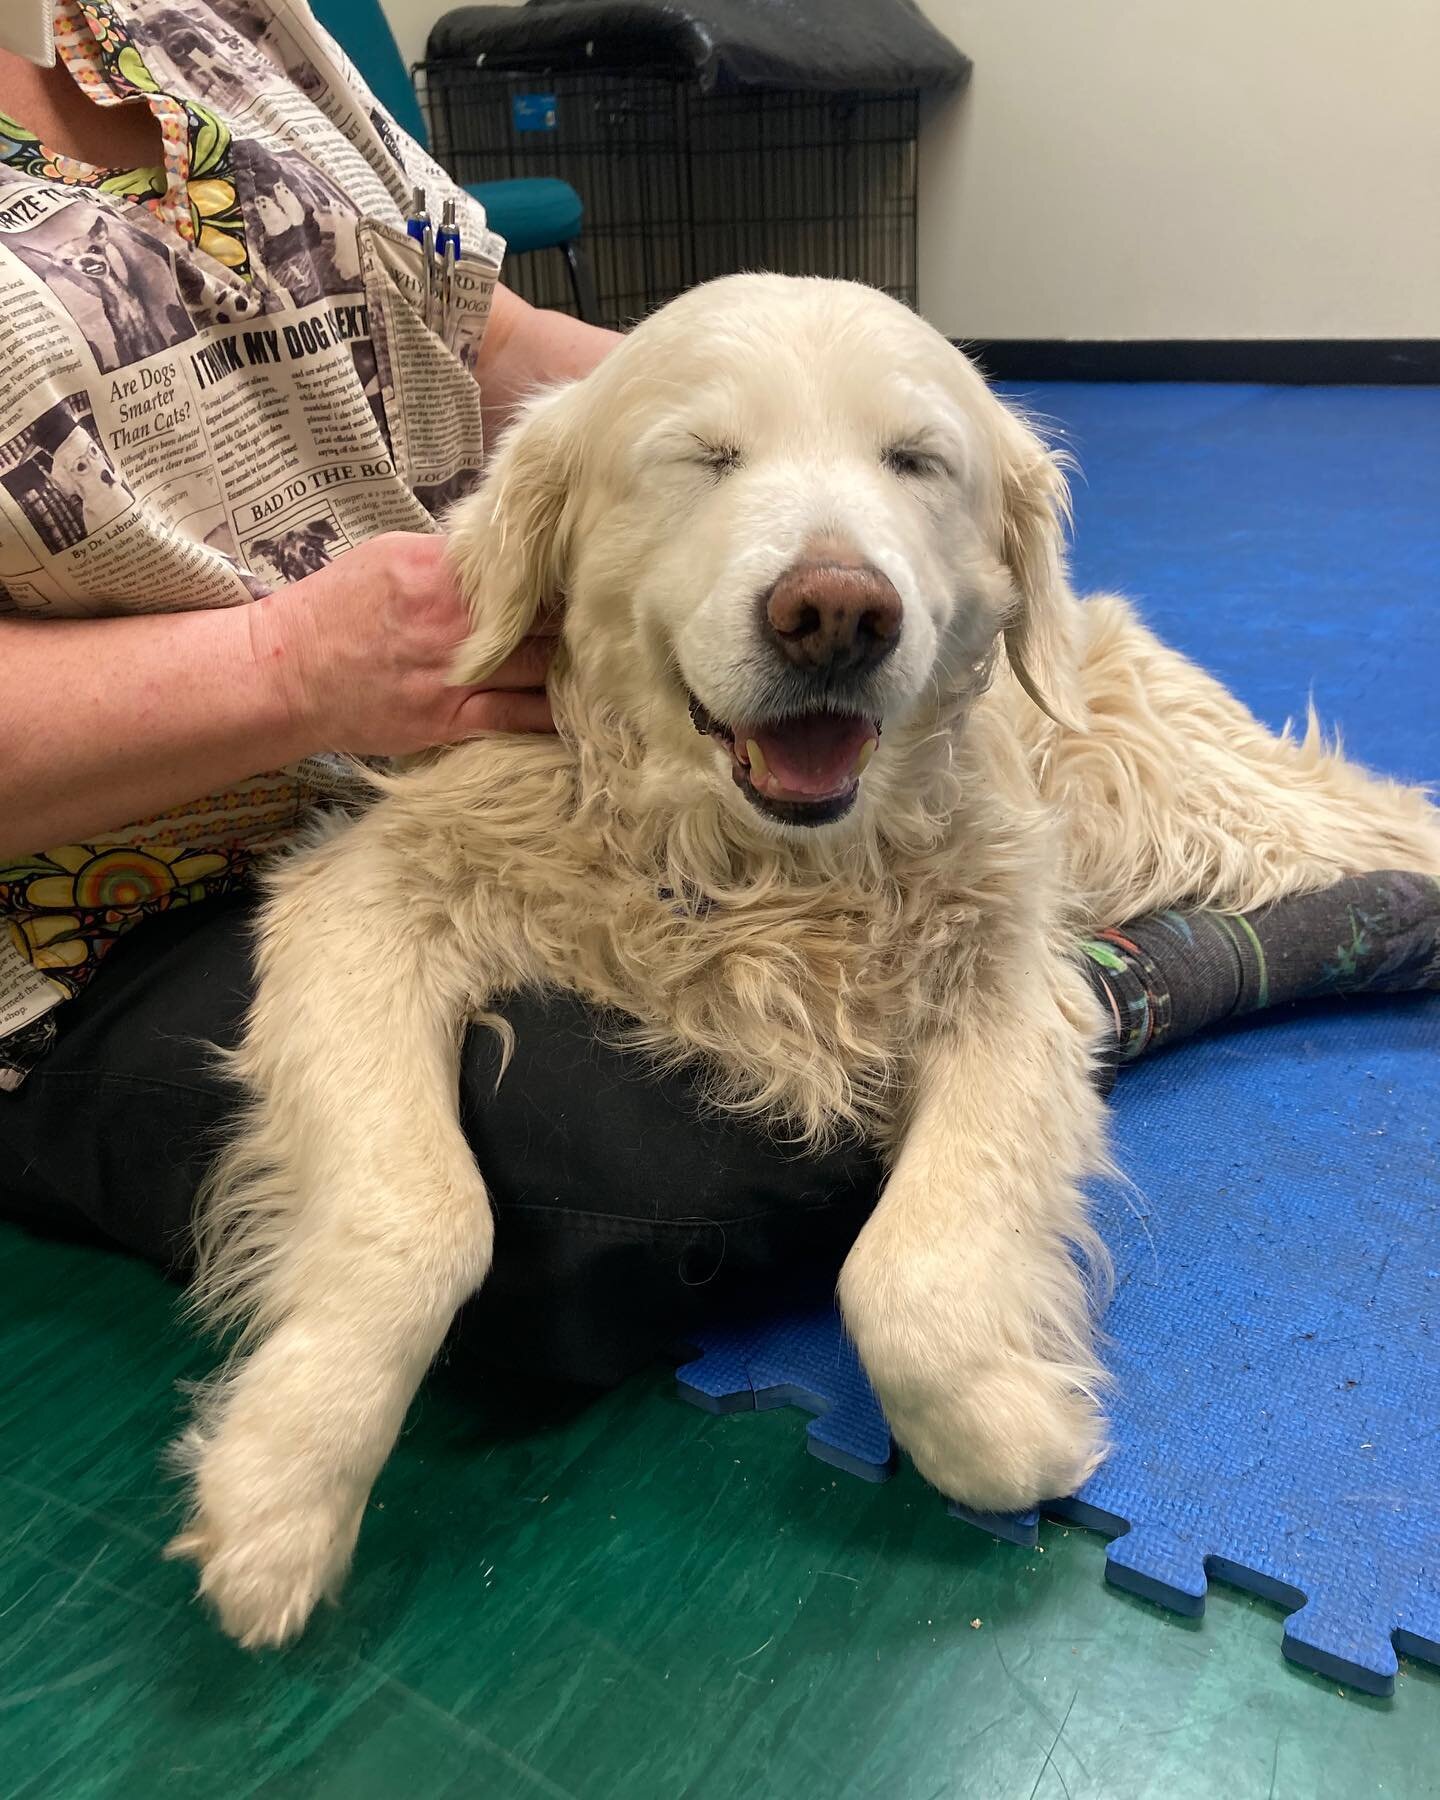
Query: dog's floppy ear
{"type": "Point", "coordinates": [1042, 639]}
{"type": "Point", "coordinates": [509, 539]}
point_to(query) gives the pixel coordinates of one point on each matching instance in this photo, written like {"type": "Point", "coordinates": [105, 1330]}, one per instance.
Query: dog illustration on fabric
{"type": "Point", "coordinates": [219, 65]}
{"type": "Point", "coordinates": [59, 476]}
{"type": "Point", "coordinates": [299, 550]}
{"type": "Point", "coordinates": [299, 228]}
{"type": "Point", "coordinates": [81, 470]}
{"type": "Point", "coordinates": [119, 283]}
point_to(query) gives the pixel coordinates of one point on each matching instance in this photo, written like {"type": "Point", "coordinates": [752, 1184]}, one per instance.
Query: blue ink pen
{"type": "Point", "coordinates": [419, 227]}
{"type": "Point", "coordinates": [447, 248]}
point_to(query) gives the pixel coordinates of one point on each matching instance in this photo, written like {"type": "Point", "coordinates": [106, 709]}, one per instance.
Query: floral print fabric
{"type": "Point", "coordinates": [193, 190]}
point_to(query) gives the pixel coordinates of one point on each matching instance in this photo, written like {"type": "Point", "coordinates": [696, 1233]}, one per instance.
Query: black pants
{"type": "Point", "coordinates": [624, 1214]}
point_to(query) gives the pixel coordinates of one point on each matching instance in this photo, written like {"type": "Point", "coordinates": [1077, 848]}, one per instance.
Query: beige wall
{"type": "Point", "coordinates": [411, 20]}
{"type": "Point", "coordinates": [1152, 168]}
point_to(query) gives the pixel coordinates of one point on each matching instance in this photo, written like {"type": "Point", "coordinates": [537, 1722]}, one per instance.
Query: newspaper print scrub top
{"type": "Point", "coordinates": [217, 376]}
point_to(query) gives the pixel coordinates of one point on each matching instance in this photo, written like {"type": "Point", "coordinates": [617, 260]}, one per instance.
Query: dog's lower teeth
{"type": "Point", "coordinates": [862, 761]}
{"type": "Point", "coordinates": [759, 769]}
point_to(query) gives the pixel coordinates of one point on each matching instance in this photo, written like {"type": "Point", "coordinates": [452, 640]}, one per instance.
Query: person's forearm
{"type": "Point", "coordinates": [105, 721]}
{"type": "Point", "coordinates": [529, 347]}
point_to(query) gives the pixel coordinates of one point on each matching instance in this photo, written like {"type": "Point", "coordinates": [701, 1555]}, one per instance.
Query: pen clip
{"type": "Point", "coordinates": [448, 246]}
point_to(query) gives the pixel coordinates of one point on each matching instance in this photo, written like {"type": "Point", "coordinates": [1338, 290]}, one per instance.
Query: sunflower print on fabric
{"type": "Point", "coordinates": [68, 906]}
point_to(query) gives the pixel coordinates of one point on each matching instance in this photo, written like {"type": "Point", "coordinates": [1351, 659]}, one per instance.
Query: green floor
{"type": "Point", "coordinates": [633, 1600]}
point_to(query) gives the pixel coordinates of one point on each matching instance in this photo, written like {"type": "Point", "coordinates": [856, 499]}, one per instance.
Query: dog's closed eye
{"type": "Point", "coordinates": [719, 459]}
{"type": "Point", "coordinates": [914, 463]}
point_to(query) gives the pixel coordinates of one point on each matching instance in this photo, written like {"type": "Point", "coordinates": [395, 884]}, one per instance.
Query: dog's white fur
{"type": "Point", "coordinates": [906, 971]}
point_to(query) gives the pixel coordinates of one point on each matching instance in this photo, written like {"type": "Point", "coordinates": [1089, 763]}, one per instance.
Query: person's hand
{"type": "Point", "coordinates": [361, 653]}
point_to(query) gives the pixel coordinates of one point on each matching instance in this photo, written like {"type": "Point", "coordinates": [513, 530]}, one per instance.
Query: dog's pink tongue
{"type": "Point", "coordinates": [815, 757]}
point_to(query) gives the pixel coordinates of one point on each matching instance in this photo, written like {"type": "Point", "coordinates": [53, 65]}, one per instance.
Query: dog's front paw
{"type": "Point", "coordinates": [266, 1561]}
{"type": "Point", "coordinates": [985, 1415]}
{"type": "Point", "coordinates": [998, 1437]}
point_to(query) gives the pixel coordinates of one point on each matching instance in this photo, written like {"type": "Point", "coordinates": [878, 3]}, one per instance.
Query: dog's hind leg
{"type": "Point", "coordinates": [342, 1229]}
{"type": "Point", "coordinates": [1176, 793]}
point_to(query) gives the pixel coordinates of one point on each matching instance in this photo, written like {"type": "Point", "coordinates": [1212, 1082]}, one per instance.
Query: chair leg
{"type": "Point", "coordinates": [582, 280]}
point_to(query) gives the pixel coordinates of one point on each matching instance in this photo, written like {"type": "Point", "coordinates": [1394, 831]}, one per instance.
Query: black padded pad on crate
{"type": "Point", "coordinates": [723, 46]}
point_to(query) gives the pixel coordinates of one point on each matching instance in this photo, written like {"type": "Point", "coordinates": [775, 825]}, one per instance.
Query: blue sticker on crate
{"type": "Point", "coordinates": [534, 112]}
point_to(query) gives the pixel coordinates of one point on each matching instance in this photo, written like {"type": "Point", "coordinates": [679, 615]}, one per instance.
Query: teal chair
{"type": "Point", "coordinates": [530, 214]}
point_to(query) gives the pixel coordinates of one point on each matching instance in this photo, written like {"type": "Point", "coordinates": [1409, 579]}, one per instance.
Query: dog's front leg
{"type": "Point", "coordinates": [963, 1294]}
{"type": "Point", "coordinates": [343, 1228]}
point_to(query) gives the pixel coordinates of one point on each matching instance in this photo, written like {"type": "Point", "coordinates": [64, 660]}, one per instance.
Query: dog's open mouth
{"type": "Point", "coordinates": [800, 771]}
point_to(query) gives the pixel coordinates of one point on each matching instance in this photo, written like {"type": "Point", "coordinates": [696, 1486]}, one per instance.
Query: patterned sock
{"type": "Point", "coordinates": [1171, 974]}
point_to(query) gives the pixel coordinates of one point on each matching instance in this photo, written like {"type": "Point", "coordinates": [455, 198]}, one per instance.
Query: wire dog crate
{"type": "Point", "coordinates": [680, 186]}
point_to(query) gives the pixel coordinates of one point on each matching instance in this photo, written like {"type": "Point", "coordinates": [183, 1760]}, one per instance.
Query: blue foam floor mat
{"type": "Point", "coordinates": [1276, 1419]}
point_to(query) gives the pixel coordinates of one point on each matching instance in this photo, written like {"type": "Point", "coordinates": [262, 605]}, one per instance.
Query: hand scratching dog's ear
{"type": "Point", "coordinates": [1042, 640]}
{"type": "Point", "coordinates": [509, 540]}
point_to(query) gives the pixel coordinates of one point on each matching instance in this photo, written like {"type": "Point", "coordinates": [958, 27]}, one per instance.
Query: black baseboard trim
{"type": "Point", "coordinates": [1383, 362]}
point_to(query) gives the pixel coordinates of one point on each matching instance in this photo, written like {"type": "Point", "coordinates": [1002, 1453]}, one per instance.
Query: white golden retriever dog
{"type": "Point", "coordinates": [843, 768]}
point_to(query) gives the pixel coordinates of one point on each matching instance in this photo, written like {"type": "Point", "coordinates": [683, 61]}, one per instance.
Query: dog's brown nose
{"type": "Point", "coordinates": [833, 616]}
